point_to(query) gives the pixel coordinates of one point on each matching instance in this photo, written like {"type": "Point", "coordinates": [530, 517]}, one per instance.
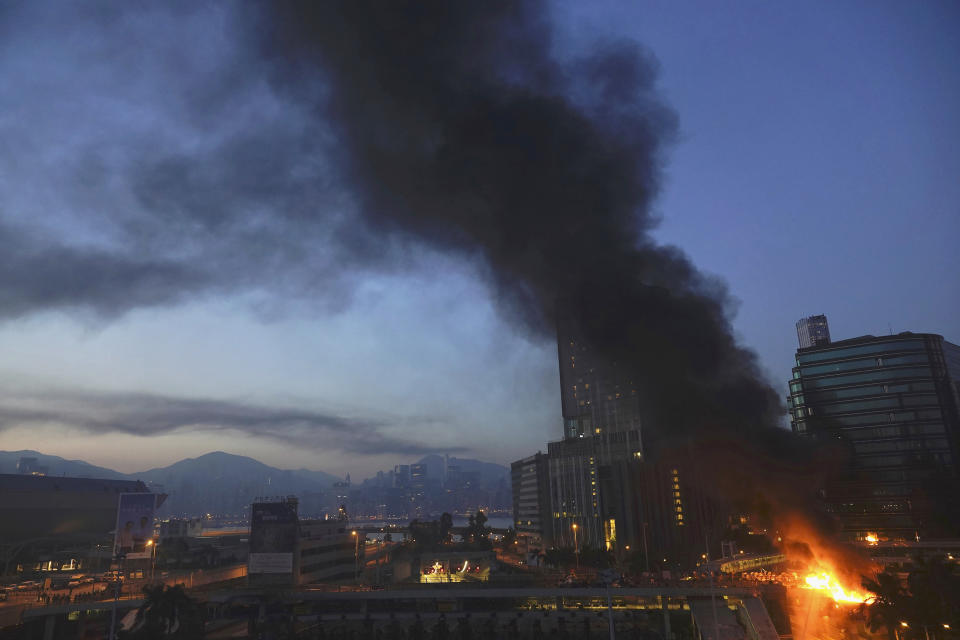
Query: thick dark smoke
{"type": "Point", "coordinates": [459, 127]}
{"type": "Point", "coordinates": [292, 144]}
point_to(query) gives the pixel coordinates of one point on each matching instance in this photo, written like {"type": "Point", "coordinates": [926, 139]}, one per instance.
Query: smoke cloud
{"type": "Point", "coordinates": [459, 127]}
{"type": "Point", "coordinates": [290, 146]}
{"type": "Point", "coordinates": [140, 414]}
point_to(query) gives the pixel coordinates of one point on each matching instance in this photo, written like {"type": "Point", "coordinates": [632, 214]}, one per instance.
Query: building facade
{"type": "Point", "coordinates": [328, 551]}
{"type": "Point", "coordinates": [285, 550]}
{"type": "Point", "coordinates": [530, 479]}
{"type": "Point", "coordinates": [892, 403]}
{"type": "Point", "coordinates": [595, 396]}
{"type": "Point", "coordinates": [813, 331]}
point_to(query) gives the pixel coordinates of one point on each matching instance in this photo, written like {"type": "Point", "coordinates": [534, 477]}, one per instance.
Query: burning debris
{"type": "Point", "coordinates": [827, 583]}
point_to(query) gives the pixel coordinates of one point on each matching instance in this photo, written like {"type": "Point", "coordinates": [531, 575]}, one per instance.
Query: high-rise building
{"type": "Point", "coordinates": [603, 490]}
{"type": "Point", "coordinates": [595, 395]}
{"type": "Point", "coordinates": [531, 500]}
{"type": "Point", "coordinates": [813, 331]}
{"type": "Point", "coordinates": [893, 402]}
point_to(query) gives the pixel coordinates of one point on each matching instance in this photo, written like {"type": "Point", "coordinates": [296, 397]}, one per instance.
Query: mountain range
{"type": "Point", "coordinates": [224, 483]}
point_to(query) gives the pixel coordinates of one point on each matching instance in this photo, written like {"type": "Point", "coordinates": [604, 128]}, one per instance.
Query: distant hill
{"type": "Point", "coordinates": [217, 482]}
{"type": "Point", "coordinates": [220, 482]}
{"type": "Point", "coordinates": [57, 466]}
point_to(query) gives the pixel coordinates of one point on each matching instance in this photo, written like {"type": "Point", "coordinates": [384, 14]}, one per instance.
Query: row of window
{"type": "Point", "coordinates": [887, 417]}
{"type": "Point", "coordinates": [868, 507]}
{"type": "Point", "coordinates": [338, 546]}
{"type": "Point", "coordinates": [849, 352]}
{"type": "Point", "coordinates": [869, 376]}
{"type": "Point", "coordinates": [900, 431]}
{"type": "Point", "coordinates": [891, 446]}
{"type": "Point", "coordinates": [347, 566]}
{"type": "Point", "coordinates": [874, 433]}
{"type": "Point", "coordinates": [906, 459]}
{"type": "Point", "coordinates": [864, 363]}
{"type": "Point", "coordinates": [920, 400]}
{"type": "Point", "coordinates": [857, 392]}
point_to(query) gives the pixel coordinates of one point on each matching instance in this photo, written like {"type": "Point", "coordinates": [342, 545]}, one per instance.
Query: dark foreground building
{"type": "Point", "coordinates": [36, 506]}
{"type": "Point", "coordinates": [892, 401]}
{"type": "Point", "coordinates": [50, 522]}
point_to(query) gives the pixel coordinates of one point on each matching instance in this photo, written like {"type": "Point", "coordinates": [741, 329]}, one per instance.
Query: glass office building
{"type": "Point", "coordinates": [892, 402]}
{"type": "Point", "coordinates": [813, 331]}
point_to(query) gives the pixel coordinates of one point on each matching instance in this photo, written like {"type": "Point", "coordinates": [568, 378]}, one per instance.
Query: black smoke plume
{"type": "Point", "coordinates": [461, 126]}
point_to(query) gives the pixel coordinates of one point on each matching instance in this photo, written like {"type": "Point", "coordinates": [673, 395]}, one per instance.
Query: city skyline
{"type": "Point", "coordinates": [381, 364]}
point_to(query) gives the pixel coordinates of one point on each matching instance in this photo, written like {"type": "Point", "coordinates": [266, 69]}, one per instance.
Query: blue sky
{"type": "Point", "coordinates": [815, 172]}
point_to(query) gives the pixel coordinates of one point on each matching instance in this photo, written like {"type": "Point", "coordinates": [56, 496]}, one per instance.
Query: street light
{"type": "Point", "coordinates": [153, 557]}
{"type": "Point", "coordinates": [356, 556]}
{"type": "Point", "coordinates": [576, 544]}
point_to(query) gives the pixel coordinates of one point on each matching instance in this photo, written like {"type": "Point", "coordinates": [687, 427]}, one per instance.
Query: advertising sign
{"type": "Point", "coordinates": [134, 525]}
{"type": "Point", "coordinates": [273, 537]}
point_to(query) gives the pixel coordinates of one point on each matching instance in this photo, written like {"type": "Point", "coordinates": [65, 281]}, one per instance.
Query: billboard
{"type": "Point", "coordinates": [134, 525]}
{"type": "Point", "coordinates": [273, 537]}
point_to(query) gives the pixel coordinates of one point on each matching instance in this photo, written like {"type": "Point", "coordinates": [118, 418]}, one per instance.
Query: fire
{"type": "Point", "coordinates": [872, 538]}
{"type": "Point", "coordinates": [828, 584]}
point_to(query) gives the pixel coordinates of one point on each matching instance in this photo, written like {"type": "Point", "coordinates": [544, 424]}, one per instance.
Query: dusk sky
{"type": "Point", "coordinates": [816, 169]}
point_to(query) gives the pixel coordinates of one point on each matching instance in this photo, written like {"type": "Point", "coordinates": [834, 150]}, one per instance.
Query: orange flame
{"type": "Point", "coordinates": [828, 584]}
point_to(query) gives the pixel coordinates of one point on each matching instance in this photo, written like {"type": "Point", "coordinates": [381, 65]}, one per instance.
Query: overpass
{"type": "Point", "coordinates": [717, 614]}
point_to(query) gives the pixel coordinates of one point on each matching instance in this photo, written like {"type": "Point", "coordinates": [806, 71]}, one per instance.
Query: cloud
{"type": "Point", "coordinates": [146, 415]}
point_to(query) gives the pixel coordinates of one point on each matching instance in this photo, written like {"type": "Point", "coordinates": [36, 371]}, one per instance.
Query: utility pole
{"type": "Point", "coordinates": [646, 552]}
{"type": "Point", "coordinates": [713, 593]}
{"type": "Point", "coordinates": [116, 597]}
{"type": "Point", "coordinates": [356, 556]}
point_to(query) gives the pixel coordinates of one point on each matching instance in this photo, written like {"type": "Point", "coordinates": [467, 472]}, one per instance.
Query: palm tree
{"type": "Point", "coordinates": [167, 612]}
{"type": "Point", "coordinates": [890, 605]}
{"type": "Point", "coordinates": [935, 587]}
{"type": "Point", "coordinates": [446, 525]}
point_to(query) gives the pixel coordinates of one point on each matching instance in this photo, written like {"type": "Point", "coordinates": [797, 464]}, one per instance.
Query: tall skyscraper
{"type": "Point", "coordinates": [813, 331]}
{"type": "Point", "coordinates": [595, 395]}
{"type": "Point", "coordinates": [894, 403]}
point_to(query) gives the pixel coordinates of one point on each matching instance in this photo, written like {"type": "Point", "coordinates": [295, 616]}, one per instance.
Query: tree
{"type": "Point", "coordinates": [509, 537]}
{"type": "Point", "coordinates": [935, 592]}
{"type": "Point", "coordinates": [167, 612]}
{"type": "Point", "coordinates": [477, 531]}
{"type": "Point", "coordinates": [930, 601]}
{"type": "Point", "coordinates": [889, 606]}
{"type": "Point", "coordinates": [446, 525]}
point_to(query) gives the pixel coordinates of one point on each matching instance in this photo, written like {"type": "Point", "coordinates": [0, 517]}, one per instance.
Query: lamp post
{"type": "Point", "coordinates": [153, 557]}
{"type": "Point", "coordinates": [356, 556]}
{"type": "Point", "coordinates": [646, 552]}
{"type": "Point", "coordinates": [576, 545]}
